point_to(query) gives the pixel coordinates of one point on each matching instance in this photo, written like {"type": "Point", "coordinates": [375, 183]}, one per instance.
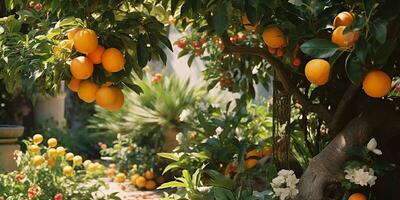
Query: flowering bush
{"type": "Point", "coordinates": [285, 184]}
{"type": "Point", "coordinates": [49, 172]}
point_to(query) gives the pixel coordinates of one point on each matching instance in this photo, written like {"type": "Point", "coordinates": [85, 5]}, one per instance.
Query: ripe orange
{"type": "Point", "coordinates": [140, 182]}
{"type": "Point", "coordinates": [96, 55]}
{"type": "Point", "coordinates": [51, 162]}
{"type": "Point", "coordinates": [133, 178]}
{"type": "Point", "coordinates": [85, 41]}
{"type": "Point", "coordinates": [150, 185]}
{"type": "Point", "coordinates": [68, 170]}
{"type": "Point", "coordinates": [113, 60]}
{"type": "Point", "coordinates": [81, 67]}
{"type": "Point", "coordinates": [250, 163]}
{"type": "Point", "coordinates": [119, 102]}
{"type": "Point", "coordinates": [37, 139]}
{"type": "Point", "coordinates": [87, 91]}
{"type": "Point", "coordinates": [247, 24]}
{"type": "Point", "coordinates": [38, 160]}
{"type": "Point", "coordinates": [73, 85]}
{"type": "Point", "coordinates": [52, 142]}
{"type": "Point", "coordinates": [106, 97]}
{"type": "Point", "coordinates": [110, 172]}
{"type": "Point", "coordinates": [274, 37]}
{"type": "Point", "coordinates": [344, 41]}
{"type": "Point", "coordinates": [120, 178]}
{"type": "Point", "coordinates": [343, 19]}
{"type": "Point", "coordinates": [253, 153]}
{"type": "Point", "coordinates": [72, 32]}
{"type": "Point", "coordinates": [149, 174]}
{"type": "Point", "coordinates": [317, 71]}
{"type": "Point", "coordinates": [377, 84]}
{"type": "Point", "coordinates": [357, 196]}
{"type": "Point", "coordinates": [35, 148]}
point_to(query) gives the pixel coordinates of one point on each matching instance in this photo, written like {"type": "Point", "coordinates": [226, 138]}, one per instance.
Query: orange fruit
{"type": "Point", "coordinates": [113, 60]}
{"type": "Point", "coordinates": [274, 37]}
{"type": "Point", "coordinates": [38, 160]}
{"type": "Point", "coordinates": [81, 68]}
{"type": "Point", "coordinates": [357, 196]}
{"type": "Point", "coordinates": [96, 55]}
{"type": "Point", "coordinates": [343, 19]}
{"type": "Point", "coordinates": [34, 148]}
{"type": "Point", "coordinates": [344, 41]}
{"type": "Point", "coordinates": [85, 41]}
{"type": "Point", "coordinates": [87, 91]}
{"type": "Point", "coordinates": [60, 151]}
{"type": "Point", "coordinates": [52, 142]}
{"type": "Point", "coordinates": [110, 172]}
{"type": "Point", "coordinates": [73, 84]}
{"type": "Point", "coordinates": [37, 139]}
{"type": "Point", "coordinates": [52, 153]}
{"type": "Point", "coordinates": [72, 32]}
{"type": "Point", "coordinates": [51, 162]}
{"type": "Point", "coordinates": [247, 24]}
{"type": "Point", "coordinates": [140, 182]}
{"type": "Point", "coordinates": [250, 163]}
{"type": "Point", "coordinates": [106, 97]}
{"type": "Point", "coordinates": [150, 185]}
{"type": "Point", "coordinates": [317, 71]}
{"type": "Point", "coordinates": [377, 84]}
{"type": "Point", "coordinates": [69, 156]}
{"type": "Point", "coordinates": [253, 153]}
{"type": "Point", "coordinates": [120, 178]}
{"type": "Point", "coordinates": [149, 174]}
{"type": "Point", "coordinates": [77, 160]}
{"type": "Point", "coordinates": [68, 170]}
{"type": "Point", "coordinates": [119, 101]}
{"type": "Point", "coordinates": [133, 178]}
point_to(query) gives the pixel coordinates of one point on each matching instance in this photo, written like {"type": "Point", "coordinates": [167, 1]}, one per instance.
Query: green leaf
{"type": "Point", "coordinates": [221, 18]}
{"type": "Point", "coordinates": [143, 53]}
{"type": "Point", "coordinates": [171, 166]}
{"type": "Point", "coordinates": [172, 184]}
{"type": "Point", "coordinates": [170, 156]}
{"type": "Point", "coordinates": [354, 70]}
{"type": "Point", "coordinates": [319, 48]}
{"type": "Point", "coordinates": [379, 31]}
{"type": "Point", "coordinates": [223, 194]}
{"type": "Point", "coordinates": [190, 60]}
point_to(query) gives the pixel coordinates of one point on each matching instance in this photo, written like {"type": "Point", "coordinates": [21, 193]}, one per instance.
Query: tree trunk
{"type": "Point", "coordinates": [328, 164]}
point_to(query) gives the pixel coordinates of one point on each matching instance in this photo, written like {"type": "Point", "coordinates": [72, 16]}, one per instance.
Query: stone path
{"type": "Point", "coordinates": [128, 192]}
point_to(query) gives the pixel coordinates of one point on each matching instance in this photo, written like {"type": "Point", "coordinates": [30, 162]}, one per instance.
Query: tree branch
{"type": "Point", "coordinates": [278, 66]}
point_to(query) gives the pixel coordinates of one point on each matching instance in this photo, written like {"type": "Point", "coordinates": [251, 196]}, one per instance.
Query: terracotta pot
{"type": "Point", "coordinates": [9, 135]}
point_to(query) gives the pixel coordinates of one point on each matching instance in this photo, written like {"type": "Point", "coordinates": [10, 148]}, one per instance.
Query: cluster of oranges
{"type": "Point", "coordinates": [112, 60]}
{"type": "Point", "coordinates": [58, 156]}
{"type": "Point", "coordinates": [251, 160]}
{"type": "Point", "coordinates": [147, 181]}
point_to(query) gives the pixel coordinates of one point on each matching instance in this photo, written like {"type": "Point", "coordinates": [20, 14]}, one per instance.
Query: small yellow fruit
{"type": "Point", "coordinates": [120, 178]}
{"type": "Point", "coordinates": [68, 170]}
{"type": "Point", "coordinates": [37, 139]}
{"type": "Point", "coordinates": [52, 142]}
{"type": "Point", "coordinates": [87, 163]}
{"type": "Point", "coordinates": [60, 151]}
{"type": "Point", "coordinates": [77, 160]}
{"type": "Point", "coordinates": [38, 160]}
{"type": "Point", "coordinates": [140, 182]}
{"type": "Point", "coordinates": [150, 185]}
{"type": "Point", "coordinates": [133, 178]}
{"type": "Point", "coordinates": [69, 156]}
{"type": "Point", "coordinates": [51, 162]}
{"type": "Point", "coordinates": [35, 148]}
{"type": "Point", "coordinates": [52, 153]}
{"type": "Point", "coordinates": [149, 175]}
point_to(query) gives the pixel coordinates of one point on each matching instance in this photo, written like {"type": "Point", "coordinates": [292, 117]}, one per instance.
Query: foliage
{"type": "Point", "coordinates": [42, 174]}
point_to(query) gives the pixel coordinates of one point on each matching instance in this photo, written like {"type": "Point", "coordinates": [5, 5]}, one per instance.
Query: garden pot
{"type": "Point", "coordinates": [170, 139]}
{"type": "Point", "coordinates": [49, 109]}
{"type": "Point", "coordinates": [9, 135]}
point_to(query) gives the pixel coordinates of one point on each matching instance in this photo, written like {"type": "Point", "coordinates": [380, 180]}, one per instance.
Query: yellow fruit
{"type": "Point", "coordinates": [149, 175]}
{"type": "Point", "coordinates": [150, 185]}
{"type": "Point", "coordinates": [274, 37]}
{"type": "Point", "coordinates": [250, 163]}
{"type": "Point", "coordinates": [37, 139]}
{"type": "Point", "coordinates": [120, 178]}
{"type": "Point", "coordinates": [85, 41]}
{"type": "Point", "coordinates": [72, 32]}
{"type": "Point", "coordinates": [377, 84]}
{"type": "Point", "coordinates": [38, 160]}
{"type": "Point", "coordinates": [97, 165]}
{"type": "Point", "coordinates": [87, 163]}
{"type": "Point", "coordinates": [81, 68]}
{"type": "Point", "coordinates": [68, 170]}
{"type": "Point", "coordinates": [52, 153]}
{"type": "Point", "coordinates": [60, 151]}
{"type": "Point", "coordinates": [343, 19]}
{"type": "Point", "coordinates": [51, 162]}
{"type": "Point", "coordinates": [317, 71]}
{"type": "Point", "coordinates": [106, 97]}
{"type": "Point", "coordinates": [110, 172]}
{"type": "Point", "coordinates": [344, 41]}
{"type": "Point", "coordinates": [140, 182]}
{"type": "Point", "coordinates": [247, 24]}
{"type": "Point", "coordinates": [92, 167]}
{"type": "Point", "coordinates": [35, 148]}
{"type": "Point", "coordinates": [133, 178]}
{"type": "Point", "coordinates": [357, 196]}
{"type": "Point", "coordinates": [69, 156]}
{"type": "Point", "coordinates": [77, 160]}
{"type": "Point", "coordinates": [52, 142]}
{"type": "Point", "coordinates": [87, 91]}
{"type": "Point", "coordinates": [119, 102]}
{"type": "Point", "coordinates": [73, 85]}
{"type": "Point", "coordinates": [253, 153]}
{"type": "Point", "coordinates": [113, 60]}
{"type": "Point", "coordinates": [96, 55]}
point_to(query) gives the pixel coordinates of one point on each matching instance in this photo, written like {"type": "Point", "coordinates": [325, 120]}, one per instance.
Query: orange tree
{"type": "Point", "coordinates": [337, 59]}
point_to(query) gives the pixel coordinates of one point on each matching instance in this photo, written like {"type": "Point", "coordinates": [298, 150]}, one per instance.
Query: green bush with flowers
{"type": "Point", "coordinates": [50, 172]}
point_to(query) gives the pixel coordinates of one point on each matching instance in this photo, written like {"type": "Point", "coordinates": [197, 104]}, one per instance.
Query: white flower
{"type": "Point", "coordinates": [1, 30]}
{"type": "Point", "coordinates": [372, 146]}
{"type": "Point", "coordinates": [219, 130]}
{"type": "Point", "coordinates": [361, 176]}
{"type": "Point", "coordinates": [179, 137]}
{"type": "Point", "coordinates": [184, 114]}
{"type": "Point", "coordinates": [285, 173]}
{"type": "Point", "coordinates": [285, 185]}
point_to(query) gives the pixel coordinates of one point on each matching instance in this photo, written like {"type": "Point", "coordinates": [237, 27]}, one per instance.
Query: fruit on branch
{"type": "Point", "coordinates": [271, 50]}
{"type": "Point", "coordinates": [343, 19]}
{"type": "Point", "coordinates": [296, 62]}
{"type": "Point", "coordinates": [72, 32]}
{"type": "Point", "coordinates": [96, 55]}
{"type": "Point", "coordinates": [274, 37]}
{"type": "Point", "coordinates": [181, 43]}
{"type": "Point", "coordinates": [344, 40]}
{"type": "Point", "coordinates": [81, 68]}
{"type": "Point", "coordinates": [87, 91]}
{"type": "Point", "coordinates": [196, 44]}
{"type": "Point", "coordinates": [279, 53]}
{"type": "Point", "coordinates": [317, 71]}
{"type": "Point", "coordinates": [105, 97]}
{"type": "Point", "coordinates": [113, 60]}
{"type": "Point", "coordinates": [85, 41]}
{"type": "Point", "coordinates": [119, 102]}
{"type": "Point", "coordinates": [377, 84]}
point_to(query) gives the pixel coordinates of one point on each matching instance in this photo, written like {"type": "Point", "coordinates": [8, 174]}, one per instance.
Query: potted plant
{"type": "Point", "coordinates": [9, 135]}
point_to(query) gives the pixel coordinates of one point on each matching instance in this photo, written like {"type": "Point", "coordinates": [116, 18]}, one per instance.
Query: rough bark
{"type": "Point", "coordinates": [327, 165]}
